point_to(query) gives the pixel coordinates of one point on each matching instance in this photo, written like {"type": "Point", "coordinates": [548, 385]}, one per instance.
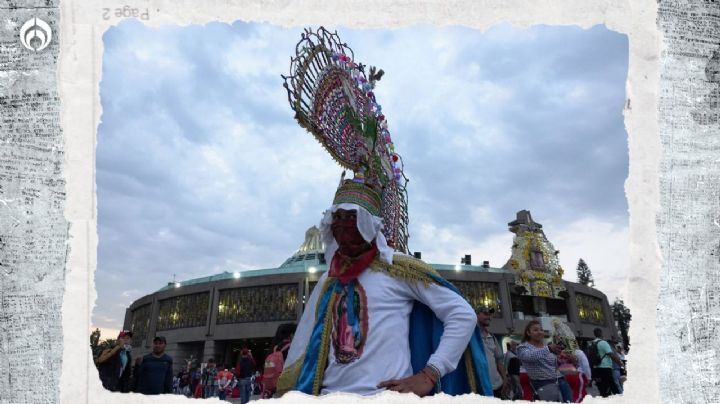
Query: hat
{"type": "Point", "coordinates": [333, 98]}
{"type": "Point", "coordinates": [160, 338]}
{"type": "Point", "coordinates": [359, 194]}
{"type": "Point", "coordinates": [125, 333]}
{"type": "Point", "coordinates": [483, 308]}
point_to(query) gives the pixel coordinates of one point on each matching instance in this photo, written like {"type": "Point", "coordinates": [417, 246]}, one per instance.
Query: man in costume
{"type": "Point", "coordinates": [363, 308]}
{"type": "Point", "coordinates": [378, 319]}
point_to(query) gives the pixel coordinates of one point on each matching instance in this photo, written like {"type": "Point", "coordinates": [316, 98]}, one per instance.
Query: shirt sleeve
{"type": "Point", "coordinates": [458, 319]}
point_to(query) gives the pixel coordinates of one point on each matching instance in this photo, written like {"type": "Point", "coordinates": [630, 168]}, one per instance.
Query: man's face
{"type": "Point", "coordinates": [126, 340]}
{"type": "Point", "coordinates": [158, 347]}
{"type": "Point", "coordinates": [344, 229]}
{"type": "Point", "coordinates": [484, 318]}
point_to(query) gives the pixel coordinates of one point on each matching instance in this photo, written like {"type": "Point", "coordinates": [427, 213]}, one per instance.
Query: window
{"type": "Point", "coordinates": [260, 303]}
{"type": "Point", "coordinates": [183, 311]}
{"type": "Point", "coordinates": [477, 293]}
{"type": "Point", "coordinates": [590, 309]}
{"type": "Point", "coordinates": [140, 324]}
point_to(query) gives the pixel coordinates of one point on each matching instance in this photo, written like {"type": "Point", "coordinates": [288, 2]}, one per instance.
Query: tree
{"type": "Point", "coordinates": [622, 318]}
{"type": "Point", "coordinates": [96, 346]}
{"type": "Point", "coordinates": [95, 342]}
{"type": "Point", "coordinates": [584, 275]}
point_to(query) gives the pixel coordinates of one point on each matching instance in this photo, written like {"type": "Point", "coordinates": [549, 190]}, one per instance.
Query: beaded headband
{"type": "Point", "coordinates": [359, 194]}
{"type": "Point", "coordinates": [333, 99]}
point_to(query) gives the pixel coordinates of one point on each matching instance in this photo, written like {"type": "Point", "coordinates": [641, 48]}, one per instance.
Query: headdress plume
{"type": "Point", "coordinates": [333, 99]}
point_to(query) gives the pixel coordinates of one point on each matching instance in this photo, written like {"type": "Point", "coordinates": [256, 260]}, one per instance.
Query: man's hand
{"type": "Point", "coordinates": [418, 384]}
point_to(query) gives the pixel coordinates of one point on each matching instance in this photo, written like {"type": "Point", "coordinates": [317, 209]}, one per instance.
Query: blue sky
{"type": "Point", "coordinates": [201, 167]}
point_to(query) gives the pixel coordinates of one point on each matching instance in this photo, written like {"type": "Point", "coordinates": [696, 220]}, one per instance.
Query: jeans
{"type": "Point", "coordinates": [616, 380]}
{"type": "Point", "coordinates": [245, 391]}
{"type": "Point", "coordinates": [210, 391]}
{"type": "Point", "coordinates": [605, 382]}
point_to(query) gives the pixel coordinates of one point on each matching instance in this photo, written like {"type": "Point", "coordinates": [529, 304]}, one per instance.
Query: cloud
{"type": "Point", "coordinates": [602, 244]}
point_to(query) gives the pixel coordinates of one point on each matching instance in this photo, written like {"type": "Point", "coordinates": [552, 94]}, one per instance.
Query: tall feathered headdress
{"type": "Point", "coordinates": [333, 99]}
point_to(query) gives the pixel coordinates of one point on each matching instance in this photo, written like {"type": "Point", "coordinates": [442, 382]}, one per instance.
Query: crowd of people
{"type": "Point", "coordinates": [153, 373]}
{"type": "Point", "coordinates": [222, 382]}
{"type": "Point", "coordinates": [526, 371]}
{"type": "Point", "coordinates": [554, 371]}
{"type": "Point", "coordinates": [333, 350]}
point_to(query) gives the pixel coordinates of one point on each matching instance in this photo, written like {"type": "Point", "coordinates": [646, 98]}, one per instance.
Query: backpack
{"type": "Point", "coordinates": [273, 367]}
{"type": "Point", "coordinates": [594, 356]}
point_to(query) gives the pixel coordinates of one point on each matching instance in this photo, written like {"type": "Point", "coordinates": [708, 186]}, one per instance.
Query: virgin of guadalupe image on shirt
{"type": "Point", "coordinates": [349, 324]}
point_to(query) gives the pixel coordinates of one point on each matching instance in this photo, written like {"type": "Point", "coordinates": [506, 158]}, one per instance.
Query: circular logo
{"type": "Point", "coordinates": [35, 34]}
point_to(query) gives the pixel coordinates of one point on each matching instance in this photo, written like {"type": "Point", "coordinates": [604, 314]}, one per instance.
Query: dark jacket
{"type": "Point", "coordinates": [154, 375]}
{"type": "Point", "coordinates": [110, 372]}
{"type": "Point", "coordinates": [246, 366]}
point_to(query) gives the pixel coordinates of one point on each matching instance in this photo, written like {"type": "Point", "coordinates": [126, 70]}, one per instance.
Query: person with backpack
{"type": "Point", "coordinates": [601, 358]}
{"type": "Point", "coordinates": [275, 362]}
{"type": "Point", "coordinates": [114, 364]}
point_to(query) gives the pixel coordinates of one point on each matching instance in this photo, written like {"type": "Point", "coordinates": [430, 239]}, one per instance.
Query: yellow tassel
{"type": "Point", "coordinates": [470, 371]}
{"type": "Point", "coordinates": [288, 377]}
{"type": "Point", "coordinates": [324, 346]}
{"type": "Point", "coordinates": [328, 283]}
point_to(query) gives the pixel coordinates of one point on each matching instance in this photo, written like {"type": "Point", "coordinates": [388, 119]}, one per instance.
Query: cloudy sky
{"type": "Point", "coordinates": [201, 167]}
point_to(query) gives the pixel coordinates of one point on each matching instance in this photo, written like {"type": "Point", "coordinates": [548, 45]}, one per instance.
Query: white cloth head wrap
{"type": "Point", "coordinates": [369, 226]}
